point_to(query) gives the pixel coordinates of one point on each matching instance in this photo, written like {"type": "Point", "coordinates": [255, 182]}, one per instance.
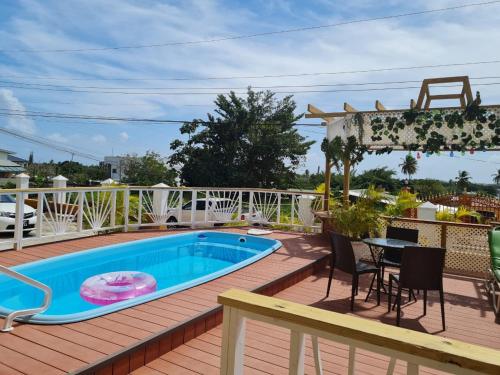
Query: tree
{"type": "Point", "coordinates": [248, 142]}
{"type": "Point", "coordinates": [409, 166]}
{"type": "Point", "coordinates": [148, 170]}
{"type": "Point", "coordinates": [496, 177]}
{"type": "Point", "coordinates": [426, 187]}
{"type": "Point", "coordinates": [380, 178]}
{"type": "Point", "coordinates": [342, 153]}
{"type": "Point", "coordinates": [462, 180]}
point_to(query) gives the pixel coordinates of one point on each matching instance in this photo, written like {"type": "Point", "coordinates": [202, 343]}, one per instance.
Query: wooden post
{"type": "Point", "coordinates": [297, 353]}
{"type": "Point", "coordinates": [347, 178]}
{"type": "Point", "coordinates": [233, 342]}
{"type": "Point", "coordinates": [328, 177]}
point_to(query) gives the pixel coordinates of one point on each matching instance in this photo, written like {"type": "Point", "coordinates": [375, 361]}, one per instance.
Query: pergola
{"type": "Point", "coordinates": [467, 126]}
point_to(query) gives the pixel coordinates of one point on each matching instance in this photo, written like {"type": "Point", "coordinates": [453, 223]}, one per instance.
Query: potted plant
{"type": "Point", "coordinates": [359, 220]}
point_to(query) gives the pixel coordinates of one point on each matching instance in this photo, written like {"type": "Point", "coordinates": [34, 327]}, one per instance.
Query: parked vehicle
{"type": "Point", "coordinates": [220, 210]}
{"type": "Point", "coordinates": [8, 215]}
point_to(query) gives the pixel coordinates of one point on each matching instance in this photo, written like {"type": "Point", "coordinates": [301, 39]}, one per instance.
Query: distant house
{"type": "Point", "coordinates": [22, 162]}
{"type": "Point", "coordinates": [9, 168]}
{"type": "Point", "coordinates": [116, 165]}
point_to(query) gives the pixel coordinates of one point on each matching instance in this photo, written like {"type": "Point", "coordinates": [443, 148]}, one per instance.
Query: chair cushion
{"type": "Point", "coordinates": [494, 242]}
{"type": "Point", "coordinates": [362, 267]}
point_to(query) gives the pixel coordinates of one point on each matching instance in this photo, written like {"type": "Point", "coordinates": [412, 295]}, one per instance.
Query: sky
{"type": "Point", "coordinates": [126, 82]}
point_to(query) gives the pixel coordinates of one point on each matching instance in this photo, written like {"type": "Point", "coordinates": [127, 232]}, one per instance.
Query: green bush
{"type": "Point", "coordinates": [361, 219]}
{"type": "Point", "coordinates": [404, 201]}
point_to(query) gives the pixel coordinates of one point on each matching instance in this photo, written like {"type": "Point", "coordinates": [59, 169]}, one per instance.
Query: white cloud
{"type": "Point", "coordinates": [99, 138]}
{"type": "Point", "coordinates": [58, 137]}
{"type": "Point", "coordinates": [19, 122]}
{"type": "Point", "coordinates": [124, 136]}
{"type": "Point", "coordinates": [447, 37]}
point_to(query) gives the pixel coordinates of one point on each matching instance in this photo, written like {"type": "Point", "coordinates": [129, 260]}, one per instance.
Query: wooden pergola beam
{"type": "Point", "coordinates": [349, 108]}
{"type": "Point", "coordinates": [425, 98]}
{"type": "Point", "coordinates": [343, 114]}
{"type": "Point", "coordinates": [318, 113]}
{"type": "Point", "coordinates": [379, 106]}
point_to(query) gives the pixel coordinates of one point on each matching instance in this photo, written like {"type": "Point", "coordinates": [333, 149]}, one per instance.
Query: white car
{"type": "Point", "coordinates": [8, 215]}
{"type": "Point", "coordinates": [219, 209]}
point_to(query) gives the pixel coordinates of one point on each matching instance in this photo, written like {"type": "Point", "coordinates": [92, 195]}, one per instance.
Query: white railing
{"type": "Point", "coordinates": [47, 298]}
{"type": "Point", "coordinates": [414, 349]}
{"type": "Point", "coordinates": [61, 213]}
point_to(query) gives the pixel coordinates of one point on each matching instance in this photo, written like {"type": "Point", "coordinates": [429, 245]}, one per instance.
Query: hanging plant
{"type": "Point", "coordinates": [427, 124]}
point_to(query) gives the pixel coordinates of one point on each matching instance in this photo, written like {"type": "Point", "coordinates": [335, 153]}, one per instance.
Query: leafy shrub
{"type": "Point", "coordinates": [361, 219]}
{"type": "Point", "coordinates": [404, 201]}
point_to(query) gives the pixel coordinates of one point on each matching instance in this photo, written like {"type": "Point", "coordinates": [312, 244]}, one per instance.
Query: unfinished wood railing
{"type": "Point", "coordinates": [415, 348]}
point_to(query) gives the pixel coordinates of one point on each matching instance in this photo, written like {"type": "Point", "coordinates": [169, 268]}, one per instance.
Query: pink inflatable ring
{"type": "Point", "coordinates": [112, 287]}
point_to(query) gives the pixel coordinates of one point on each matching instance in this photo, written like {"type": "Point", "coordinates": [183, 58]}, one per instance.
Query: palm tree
{"type": "Point", "coordinates": [409, 166]}
{"type": "Point", "coordinates": [462, 179]}
{"type": "Point", "coordinates": [496, 177]}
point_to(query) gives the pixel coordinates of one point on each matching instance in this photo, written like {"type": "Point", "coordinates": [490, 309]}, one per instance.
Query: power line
{"type": "Point", "coordinates": [255, 35]}
{"type": "Point", "coordinates": [72, 87]}
{"type": "Point", "coordinates": [183, 93]}
{"type": "Point", "coordinates": [19, 113]}
{"type": "Point", "coordinates": [369, 70]}
{"type": "Point", "coordinates": [47, 143]}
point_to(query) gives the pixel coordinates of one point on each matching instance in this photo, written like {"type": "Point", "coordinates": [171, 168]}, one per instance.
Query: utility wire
{"type": "Point", "coordinates": [238, 92]}
{"type": "Point", "coordinates": [368, 70]}
{"type": "Point", "coordinates": [71, 87]}
{"type": "Point", "coordinates": [19, 113]}
{"type": "Point", "coordinates": [255, 35]}
{"type": "Point", "coordinates": [47, 143]}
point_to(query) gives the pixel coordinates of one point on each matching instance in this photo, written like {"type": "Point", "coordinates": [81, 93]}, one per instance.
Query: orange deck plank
{"type": "Point", "coordinates": [69, 347]}
{"type": "Point", "coordinates": [469, 318]}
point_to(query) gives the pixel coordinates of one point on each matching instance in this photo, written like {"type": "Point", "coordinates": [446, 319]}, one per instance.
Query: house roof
{"type": "Point", "coordinates": [7, 151]}
{"type": "Point", "coordinates": [10, 166]}
{"type": "Point", "coordinates": [16, 159]}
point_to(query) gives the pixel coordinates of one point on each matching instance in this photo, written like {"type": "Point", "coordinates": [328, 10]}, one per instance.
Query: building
{"type": "Point", "coordinates": [116, 165]}
{"type": "Point", "coordinates": [20, 161]}
{"type": "Point", "coordinates": [8, 168]}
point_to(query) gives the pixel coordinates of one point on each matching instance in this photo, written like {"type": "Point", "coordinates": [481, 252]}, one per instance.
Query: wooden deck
{"type": "Point", "coordinates": [123, 341]}
{"type": "Point", "coordinates": [468, 314]}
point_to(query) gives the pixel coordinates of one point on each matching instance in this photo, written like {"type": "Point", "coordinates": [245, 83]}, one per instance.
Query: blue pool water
{"type": "Point", "coordinates": [176, 262]}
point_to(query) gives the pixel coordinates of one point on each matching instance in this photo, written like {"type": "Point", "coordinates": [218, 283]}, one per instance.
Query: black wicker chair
{"type": "Point", "coordinates": [343, 258]}
{"type": "Point", "coordinates": [421, 268]}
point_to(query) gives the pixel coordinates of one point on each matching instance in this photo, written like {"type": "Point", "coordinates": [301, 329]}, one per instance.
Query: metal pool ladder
{"type": "Point", "coordinates": [47, 299]}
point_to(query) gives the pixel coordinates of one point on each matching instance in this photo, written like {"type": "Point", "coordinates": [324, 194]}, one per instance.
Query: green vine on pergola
{"type": "Point", "coordinates": [468, 126]}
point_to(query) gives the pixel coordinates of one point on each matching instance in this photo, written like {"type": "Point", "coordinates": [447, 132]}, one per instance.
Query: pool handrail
{"type": "Point", "coordinates": [47, 299]}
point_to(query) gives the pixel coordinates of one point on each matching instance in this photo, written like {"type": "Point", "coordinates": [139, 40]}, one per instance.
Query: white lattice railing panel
{"type": "Point", "coordinates": [429, 234]}
{"type": "Point", "coordinates": [159, 205]}
{"type": "Point", "coordinates": [266, 204]}
{"type": "Point", "coordinates": [97, 208]}
{"type": "Point", "coordinates": [467, 248]}
{"type": "Point", "coordinates": [60, 210]}
{"type": "Point", "coordinates": [223, 205]}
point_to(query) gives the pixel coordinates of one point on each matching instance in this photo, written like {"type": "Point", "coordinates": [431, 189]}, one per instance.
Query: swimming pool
{"type": "Point", "coordinates": [177, 262]}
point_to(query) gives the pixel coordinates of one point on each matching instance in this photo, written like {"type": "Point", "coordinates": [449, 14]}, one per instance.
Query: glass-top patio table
{"type": "Point", "coordinates": [390, 243]}
{"type": "Point", "coordinates": [385, 243]}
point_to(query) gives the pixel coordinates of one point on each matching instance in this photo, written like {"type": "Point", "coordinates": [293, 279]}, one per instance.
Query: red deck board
{"type": "Point", "coordinates": [469, 318]}
{"type": "Point", "coordinates": [62, 348]}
